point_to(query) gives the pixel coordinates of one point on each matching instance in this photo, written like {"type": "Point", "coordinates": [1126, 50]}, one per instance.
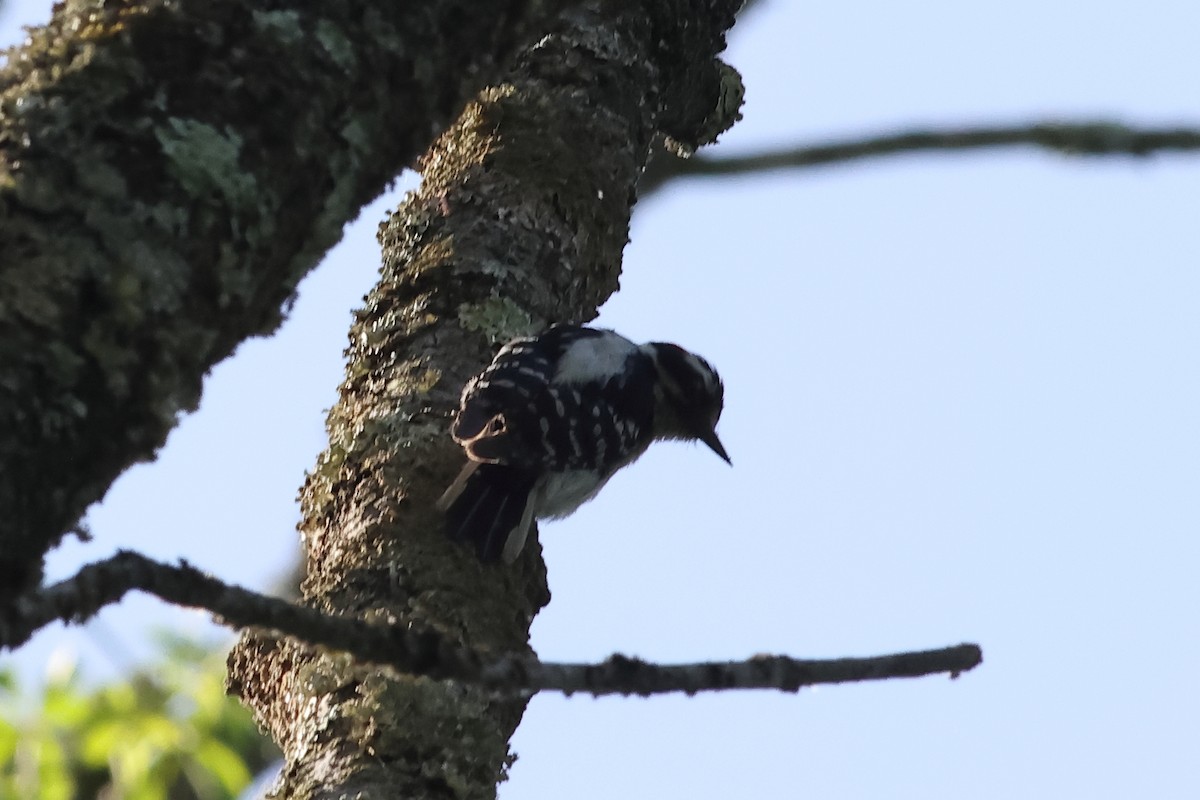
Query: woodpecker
{"type": "Point", "coordinates": [550, 420]}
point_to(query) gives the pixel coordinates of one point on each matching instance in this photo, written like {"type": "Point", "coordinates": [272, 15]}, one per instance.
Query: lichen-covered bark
{"type": "Point", "coordinates": [520, 221]}
{"type": "Point", "coordinates": [169, 170]}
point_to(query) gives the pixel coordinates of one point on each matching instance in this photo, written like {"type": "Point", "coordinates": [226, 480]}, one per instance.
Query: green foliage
{"type": "Point", "coordinates": [167, 732]}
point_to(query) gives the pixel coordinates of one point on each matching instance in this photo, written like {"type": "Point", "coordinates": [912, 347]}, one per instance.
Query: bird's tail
{"type": "Point", "coordinates": [488, 506]}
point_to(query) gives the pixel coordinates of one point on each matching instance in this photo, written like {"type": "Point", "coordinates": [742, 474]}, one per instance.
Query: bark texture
{"type": "Point", "coordinates": [169, 171]}
{"type": "Point", "coordinates": [520, 221]}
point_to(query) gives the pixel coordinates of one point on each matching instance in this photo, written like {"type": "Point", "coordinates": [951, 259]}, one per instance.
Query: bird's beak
{"type": "Point", "coordinates": [714, 444]}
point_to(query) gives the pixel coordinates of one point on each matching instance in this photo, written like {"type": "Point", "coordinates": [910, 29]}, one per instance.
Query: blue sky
{"type": "Point", "coordinates": [962, 405]}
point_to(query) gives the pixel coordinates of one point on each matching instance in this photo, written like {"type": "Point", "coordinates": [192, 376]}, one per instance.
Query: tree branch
{"type": "Point", "coordinates": [519, 221]}
{"type": "Point", "coordinates": [426, 653]}
{"type": "Point", "coordinates": [622, 675]}
{"type": "Point", "coordinates": [168, 174]}
{"type": "Point", "coordinates": [1074, 138]}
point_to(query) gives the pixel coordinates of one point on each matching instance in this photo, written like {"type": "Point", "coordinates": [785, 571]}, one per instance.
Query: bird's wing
{"type": "Point", "coordinates": [520, 411]}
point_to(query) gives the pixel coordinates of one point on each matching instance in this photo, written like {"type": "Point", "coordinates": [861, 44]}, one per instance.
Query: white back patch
{"type": "Point", "coordinates": [594, 358]}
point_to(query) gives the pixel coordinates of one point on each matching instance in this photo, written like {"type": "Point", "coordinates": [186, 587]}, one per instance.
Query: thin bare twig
{"type": "Point", "coordinates": [425, 653]}
{"type": "Point", "coordinates": [622, 675]}
{"type": "Point", "coordinates": [1071, 138]}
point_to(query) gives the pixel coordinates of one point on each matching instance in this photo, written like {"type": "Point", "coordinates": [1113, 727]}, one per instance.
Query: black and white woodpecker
{"type": "Point", "coordinates": [550, 420]}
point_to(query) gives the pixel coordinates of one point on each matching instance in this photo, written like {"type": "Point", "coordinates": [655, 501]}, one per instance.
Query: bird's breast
{"type": "Point", "coordinates": [560, 493]}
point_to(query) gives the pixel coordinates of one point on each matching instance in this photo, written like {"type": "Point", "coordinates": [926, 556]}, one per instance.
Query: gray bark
{"type": "Point", "coordinates": [520, 221]}
{"type": "Point", "coordinates": [169, 171]}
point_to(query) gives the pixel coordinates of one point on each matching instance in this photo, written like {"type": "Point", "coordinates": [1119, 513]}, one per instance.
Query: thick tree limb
{"type": "Point", "coordinates": [429, 654]}
{"type": "Point", "coordinates": [520, 221]}
{"type": "Point", "coordinates": [169, 171]}
{"type": "Point", "coordinates": [1070, 138]}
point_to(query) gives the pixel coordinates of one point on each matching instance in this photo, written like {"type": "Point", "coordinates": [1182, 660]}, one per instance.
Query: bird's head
{"type": "Point", "coordinates": [690, 396]}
